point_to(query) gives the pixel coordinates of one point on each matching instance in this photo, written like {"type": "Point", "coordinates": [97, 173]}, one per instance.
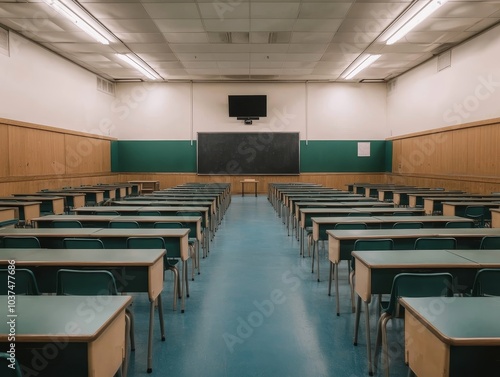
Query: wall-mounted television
{"type": "Point", "coordinates": [247, 106]}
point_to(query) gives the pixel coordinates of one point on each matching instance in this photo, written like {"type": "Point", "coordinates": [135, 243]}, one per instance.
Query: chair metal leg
{"type": "Point", "coordinates": [132, 328]}
{"type": "Point", "coordinates": [330, 277]}
{"type": "Point", "coordinates": [351, 284]}
{"type": "Point", "coordinates": [385, 346]}
{"type": "Point", "coordinates": [411, 373]}
{"type": "Point", "coordinates": [316, 249]}
{"type": "Point", "coordinates": [378, 343]}
{"type": "Point", "coordinates": [124, 367]}
{"type": "Point", "coordinates": [312, 262]}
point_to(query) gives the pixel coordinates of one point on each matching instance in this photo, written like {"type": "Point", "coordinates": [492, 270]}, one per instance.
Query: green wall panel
{"type": "Point", "coordinates": [329, 156]}
{"type": "Point", "coordinates": [154, 156]}
{"type": "Point", "coordinates": [341, 156]}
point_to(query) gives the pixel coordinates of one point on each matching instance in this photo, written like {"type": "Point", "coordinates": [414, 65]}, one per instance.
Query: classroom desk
{"type": "Point", "coordinates": [135, 270]}
{"type": "Point", "coordinates": [243, 182]}
{"type": "Point", "coordinates": [8, 216]}
{"type": "Point", "coordinates": [341, 242]}
{"type": "Point", "coordinates": [376, 269]}
{"type": "Point", "coordinates": [401, 197]}
{"type": "Point", "coordinates": [176, 241]}
{"type": "Point", "coordinates": [417, 199]}
{"type": "Point", "coordinates": [102, 221]}
{"type": "Point", "coordinates": [307, 213]}
{"type": "Point", "coordinates": [26, 210]}
{"type": "Point", "coordinates": [80, 340]}
{"type": "Point", "coordinates": [458, 208]}
{"type": "Point", "coordinates": [457, 337]}
{"type": "Point", "coordinates": [92, 196]}
{"type": "Point", "coordinates": [146, 186]}
{"type": "Point", "coordinates": [49, 204]}
{"type": "Point", "coordinates": [385, 193]}
{"type": "Point", "coordinates": [72, 199]}
{"type": "Point", "coordinates": [119, 191]}
{"type": "Point", "coordinates": [495, 217]}
{"type": "Point", "coordinates": [435, 203]}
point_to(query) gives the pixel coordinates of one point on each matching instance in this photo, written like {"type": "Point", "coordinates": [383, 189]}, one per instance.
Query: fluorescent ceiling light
{"type": "Point", "coordinates": [77, 20]}
{"type": "Point", "coordinates": [140, 66]}
{"type": "Point", "coordinates": [425, 12]}
{"type": "Point", "coordinates": [362, 65]}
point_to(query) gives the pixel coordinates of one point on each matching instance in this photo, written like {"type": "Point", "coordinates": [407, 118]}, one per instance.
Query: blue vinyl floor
{"type": "Point", "coordinates": [256, 310]}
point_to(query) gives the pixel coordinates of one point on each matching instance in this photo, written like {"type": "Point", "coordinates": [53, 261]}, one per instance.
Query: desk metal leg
{"type": "Point", "coordinates": [368, 339]}
{"type": "Point", "coordinates": [301, 237]}
{"type": "Point", "coordinates": [242, 189]}
{"type": "Point", "coordinates": [160, 314]}
{"type": "Point", "coordinates": [255, 189]}
{"type": "Point", "coordinates": [336, 277]}
{"type": "Point", "coordinates": [150, 336]}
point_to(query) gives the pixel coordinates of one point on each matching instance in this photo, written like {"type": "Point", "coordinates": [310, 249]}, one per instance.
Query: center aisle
{"type": "Point", "coordinates": [256, 309]}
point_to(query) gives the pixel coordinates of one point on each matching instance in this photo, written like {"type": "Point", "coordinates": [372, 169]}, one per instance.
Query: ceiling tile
{"type": "Point", "coordinates": [224, 10]}
{"type": "Point", "coordinates": [226, 25]}
{"type": "Point", "coordinates": [186, 37]}
{"type": "Point", "coordinates": [117, 10]}
{"type": "Point", "coordinates": [172, 10]}
{"type": "Point", "coordinates": [324, 10]}
{"type": "Point", "coordinates": [271, 24]}
{"type": "Point", "coordinates": [317, 25]}
{"type": "Point", "coordinates": [179, 26]}
{"type": "Point", "coordinates": [141, 37]}
{"type": "Point", "coordinates": [303, 37]}
{"type": "Point", "coordinates": [274, 10]}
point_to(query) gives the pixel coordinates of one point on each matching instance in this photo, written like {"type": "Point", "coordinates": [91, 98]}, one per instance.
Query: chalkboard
{"type": "Point", "coordinates": [238, 153]}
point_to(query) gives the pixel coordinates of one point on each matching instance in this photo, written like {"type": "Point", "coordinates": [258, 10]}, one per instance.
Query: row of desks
{"type": "Point", "coordinates": [375, 271]}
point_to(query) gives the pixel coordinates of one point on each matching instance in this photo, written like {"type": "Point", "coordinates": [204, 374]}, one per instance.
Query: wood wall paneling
{"type": "Point", "coordinates": [86, 155]}
{"type": "Point", "coordinates": [4, 151]}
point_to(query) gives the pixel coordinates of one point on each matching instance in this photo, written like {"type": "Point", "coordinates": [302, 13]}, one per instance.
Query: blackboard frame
{"type": "Point", "coordinates": [248, 153]}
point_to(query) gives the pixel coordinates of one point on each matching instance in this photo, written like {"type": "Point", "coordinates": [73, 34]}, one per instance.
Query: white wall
{"type": "Point", "coordinates": [173, 111]}
{"type": "Point", "coordinates": [469, 90]}
{"type": "Point", "coordinates": [40, 87]}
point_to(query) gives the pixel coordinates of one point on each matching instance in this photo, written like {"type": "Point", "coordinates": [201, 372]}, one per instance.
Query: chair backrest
{"type": "Point", "coordinates": [124, 224]}
{"type": "Point", "coordinates": [408, 225]}
{"type": "Point", "coordinates": [86, 283]}
{"type": "Point", "coordinates": [22, 242]}
{"type": "Point", "coordinates": [145, 243]}
{"type": "Point", "coordinates": [375, 244]}
{"type": "Point", "coordinates": [361, 214]}
{"type": "Point", "coordinates": [82, 243]}
{"type": "Point", "coordinates": [490, 242]}
{"type": "Point", "coordinates": [168, 225]}
{"type": "Point", "coordinates": [419, 285]}
{"type": "Point", "coordinates": [348, 226]}
{"type": "Point", "coordinates": [459, 224]}
{"type": "Point", "coordinates": [66, 224]}
{"type": "Point", "coordinates": [4, 366]}
{"type": "Point", "coordinates": [149, 213]}
{"type": "Point", "coordinates": [429, 243]}
{"type": "Point", "coordinates": [487, 282]}
{"type": "Point", "coordinates": [402, 214]}
{"type": "Point", "coordinates": [474, 211]}
{"type": "Point", "coordinates": [25, 282]}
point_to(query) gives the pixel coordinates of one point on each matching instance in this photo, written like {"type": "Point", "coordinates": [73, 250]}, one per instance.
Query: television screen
{"type": "Point", "coordinates": [247, 106]}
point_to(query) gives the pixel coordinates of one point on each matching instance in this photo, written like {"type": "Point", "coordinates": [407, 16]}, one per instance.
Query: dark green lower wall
{"type": "Point", "coordinates": [316, 156]}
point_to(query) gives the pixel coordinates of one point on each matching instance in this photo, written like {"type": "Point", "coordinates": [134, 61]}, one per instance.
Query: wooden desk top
{"type": "Point", "coordinates": [462, 321]}
{"type": "Point", "coordinates": [57, 313]}
{"type": "Point", "coordinates": [407, 233]}
{"type": "Point", "coordinates": [485, 258]}
{"type": "Point", "coordinates": [18, 203]}
{"type": "Point", "coordinates": [379, 259]}
{"type": "Point", "coordinates": [107, 218]}
{"type": "Point", "coordinates": [388, 219]}
{"type": "Point", "coordinates": [48, 232]}
{"type": "Point", "coordinates": [32, 197]}
{"type": "Point", "coordinates": [474, 203]}
{"type": "Point", "coordinates": [88, 257]}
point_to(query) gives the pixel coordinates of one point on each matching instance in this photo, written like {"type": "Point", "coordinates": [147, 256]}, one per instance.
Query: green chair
{"type": "Point", "coordinates": [490, 242]}
{"type": "Point", "coordinates": [119, 224]}
{"type": "Point", "coordinates": [477, 214]}
{"type": "Point", "coordinates": [25, 282]}
{"type": "Point", "coordinates": [193, 241]}
{"type": "Point", "coordinates": [408, 225]}
{"type": "Point", "coordinates": [169, 263]}
{"type": "Point", "coordinates": [486, 283]}
{"type": "Point", "coordinates": [439, 243]}
{"type": "Point", "coordinates": [374, 244]}
{"type": "Point", "coordinates": [6, 370]}
{"type": "Point", "coordinates": [402, 214]}
{"type": "Point", "coordinates": [21, 242]}
{"type": "Point", "coordinates": [149, 213]}
{"type": "Point", "coordinates": [96, 283]}
{"type": "Point", "coordinates": [66, 224]}
{"type": "Point", "coordinates": [350, 226]}
{"type": "Point", "coordinates": [82, 243]}
{"type": "Point", "coordinates": [408, 285]}
{"type": "Point", "coordinates": [459, 224]}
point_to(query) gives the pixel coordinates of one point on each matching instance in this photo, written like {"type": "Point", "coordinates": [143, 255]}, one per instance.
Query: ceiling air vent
{"type": "Point", "coordinates": [105, 86]}
{"type": "Point", "coordinates": [444, 60]}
